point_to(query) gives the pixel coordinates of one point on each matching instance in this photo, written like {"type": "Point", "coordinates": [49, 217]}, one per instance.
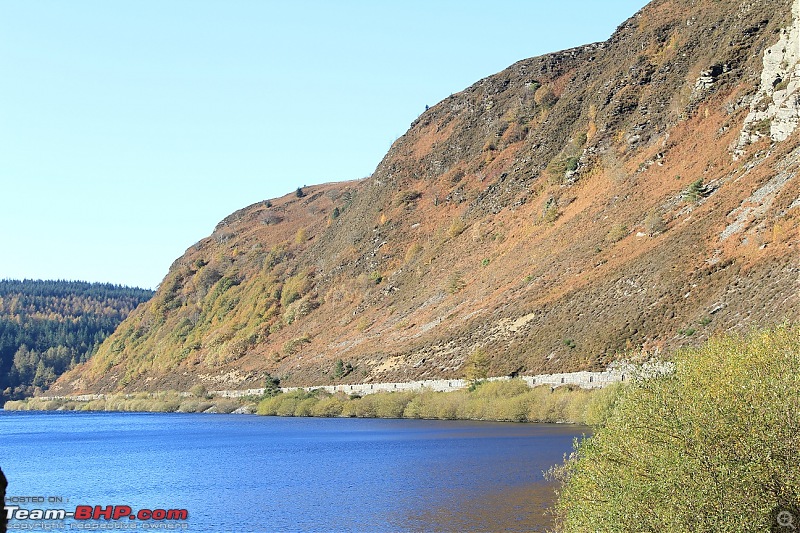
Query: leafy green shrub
{"type": "Point", "coordinates": [446, 406]}
{"type": "Point", "coordinates": [435, 405]}
{"type": "Point", "coordinates": [559, 167]}
{"type": "Point", "coordinates": [341, 369]}
{"type": "Point", "coordinates": [361, 407]}
{"type": "Point", "coordinates": [272, 385]}
{"type": "Point", "coordinates": [563, 404]}
{"type": "Point", "coordinates": [695, 191]}
{"type": "Point", "coordinates": [571, 164]}
{"type": "Point", "coordinates": [187, 406]}
{"type": "Point", "coordinates": [600, 404]}
{"type": "Point", "coordinates": [712, 447]}
{"type": "Point", "coordinates": [226, 405]}
{"type": "Point", "coordinates": [168, 406]}
{"type": "Point", "coordinates": [287, 405]}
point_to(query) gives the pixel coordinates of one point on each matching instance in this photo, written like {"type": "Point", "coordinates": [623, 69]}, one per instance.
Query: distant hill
{"type": "Point", "coordinates": [640, 193]}
{"type": "Point", "coordinates": [48, 327]}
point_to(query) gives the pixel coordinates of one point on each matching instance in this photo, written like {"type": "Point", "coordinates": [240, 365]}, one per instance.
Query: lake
{"type": "Point", "coordinates": [242, 473]}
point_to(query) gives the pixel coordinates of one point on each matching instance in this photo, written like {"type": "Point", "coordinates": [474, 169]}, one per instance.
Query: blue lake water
{"type": "Point", "coordinates": [243, 473]}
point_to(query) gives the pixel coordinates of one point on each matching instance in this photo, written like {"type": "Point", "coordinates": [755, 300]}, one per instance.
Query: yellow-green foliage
{"type": "Point", "coordinates": [457, 227]}
{"type": "Point", "coordinates": [713, 447]}
{"type": "Point", "coordinates": [294, 288]}
{"type": "Point", "coordinates": [282, 404]}
{"type": "Point", "coordinates": [328, 406]}
{"type": "Point", "coordinates": [477, 365]}
{"type": "Point", "coordinates": [600, 404]}
{"type": "Point", "coordinates": [617, 233]}
{"type": "Point", "coordinates": [392, 405]}
{"type": "Point", "coordinates": [154, 402]}
{"type": "Point", "coordinates": [510, 401]}
{"type": "Point", "coordinates": [429, 404]}
{"type": "Point", "coordinates": [215, 310]}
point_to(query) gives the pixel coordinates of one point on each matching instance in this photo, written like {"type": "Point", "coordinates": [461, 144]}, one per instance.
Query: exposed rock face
{"type": "Point", "coordinates": [775, 109]}
{"type": "Point", "coordinates": [557, 214]}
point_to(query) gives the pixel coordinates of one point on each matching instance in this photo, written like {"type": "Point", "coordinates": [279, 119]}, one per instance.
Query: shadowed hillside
{"type": "Point", "coordinates": [636, 193]}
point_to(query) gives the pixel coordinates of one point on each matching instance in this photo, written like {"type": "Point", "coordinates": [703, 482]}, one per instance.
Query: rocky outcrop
{"type": "Point", "coordinates": [775, 108]}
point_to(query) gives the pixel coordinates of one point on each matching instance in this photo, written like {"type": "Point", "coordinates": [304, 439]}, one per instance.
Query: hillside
{"type": "Point", "coordinates": [47, 327]}
{"type": "Point", "coordinates": [636, 193]}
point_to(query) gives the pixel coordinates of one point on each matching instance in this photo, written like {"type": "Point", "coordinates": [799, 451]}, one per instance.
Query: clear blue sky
{"type": "Point", "coordinates": [129, 128]}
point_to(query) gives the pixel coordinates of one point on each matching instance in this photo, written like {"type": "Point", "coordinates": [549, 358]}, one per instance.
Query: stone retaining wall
{"type": "Point", "coordinates": [585, 380]}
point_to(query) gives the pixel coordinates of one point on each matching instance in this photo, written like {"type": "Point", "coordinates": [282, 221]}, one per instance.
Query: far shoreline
{"type": "Point", "coordinates": [507, 400]}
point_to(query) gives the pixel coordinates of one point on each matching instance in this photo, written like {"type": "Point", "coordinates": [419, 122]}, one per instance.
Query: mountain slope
{"type": "Point", "coordinates": [640, 192]}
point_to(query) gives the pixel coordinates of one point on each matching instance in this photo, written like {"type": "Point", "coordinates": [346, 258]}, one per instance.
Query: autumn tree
{"type": "Point", "coordinates": [477, 366]}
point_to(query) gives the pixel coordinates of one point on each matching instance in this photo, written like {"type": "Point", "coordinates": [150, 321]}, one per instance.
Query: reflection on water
{"type": "Point", "coordinates": [510, 509]}
{"type": "Point", "coordinates": [247, 473]}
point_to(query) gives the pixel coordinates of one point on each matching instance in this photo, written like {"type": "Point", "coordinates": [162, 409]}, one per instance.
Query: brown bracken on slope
{"type": "Point", "coordinates": [640, 193]}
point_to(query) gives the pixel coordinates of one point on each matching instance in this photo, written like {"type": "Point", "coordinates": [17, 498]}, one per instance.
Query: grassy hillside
{"type": "Point", "coordinates": [48, 327]}
{"type": "Point", "coordinates": [571, 207]}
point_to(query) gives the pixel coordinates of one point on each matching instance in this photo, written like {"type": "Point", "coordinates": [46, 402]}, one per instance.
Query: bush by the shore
{"type": "Point", "coordinates": [712, 447]}
{"type": "Point", "coordinates": [511, 401]}
{"type": "Point", "coordinates": [151, 402]}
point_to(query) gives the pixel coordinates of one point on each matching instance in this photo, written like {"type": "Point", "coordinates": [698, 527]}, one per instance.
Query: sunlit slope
{"type": "Point", "coordinates": [567, 209]}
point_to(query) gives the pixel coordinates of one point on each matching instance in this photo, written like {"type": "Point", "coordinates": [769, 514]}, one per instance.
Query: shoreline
{"type": "Point", "coordinates": [499, 400]}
